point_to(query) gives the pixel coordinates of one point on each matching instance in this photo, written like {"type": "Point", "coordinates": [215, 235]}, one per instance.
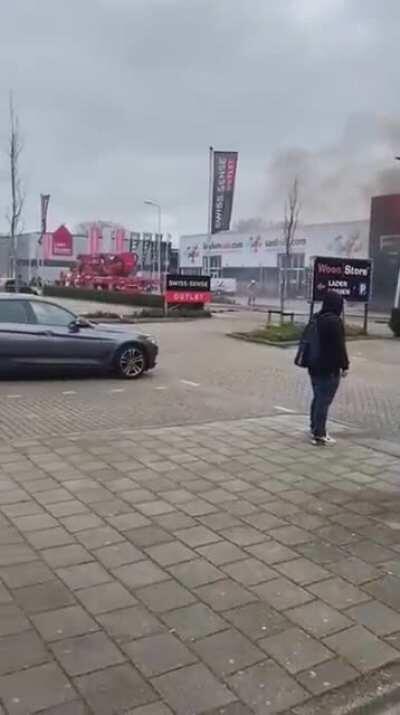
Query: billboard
{"type": "Point", "coordinates": [62, 242]}
{"type": "Point", "coordinates": [351, 277]}
{"type": "Point", "coordinates": [224, 174]}
{"type": "Point", "coordinates": [187, 289]}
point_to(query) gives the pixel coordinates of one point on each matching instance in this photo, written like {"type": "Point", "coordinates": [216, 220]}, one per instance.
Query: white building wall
{"type": "Point", "coordinates": [244, 250]}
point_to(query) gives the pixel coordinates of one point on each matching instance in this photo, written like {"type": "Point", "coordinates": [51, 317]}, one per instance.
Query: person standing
{"type": "Point", "coordinates": [251, 293]}
{"type": "Point", "coordinates": [331, 364]}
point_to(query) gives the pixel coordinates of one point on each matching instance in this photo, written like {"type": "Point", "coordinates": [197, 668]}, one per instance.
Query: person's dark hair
{"type": "Point", "coordinates": [333, 303]}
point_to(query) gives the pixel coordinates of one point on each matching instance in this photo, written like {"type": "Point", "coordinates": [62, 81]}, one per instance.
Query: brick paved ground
{"type": "Point", "coordinates": [204, 376]}
{"type": "Point", "coordinates": [225, 569]}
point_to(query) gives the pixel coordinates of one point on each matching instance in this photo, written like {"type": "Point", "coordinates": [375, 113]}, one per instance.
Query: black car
{"type": "Point", "coordinates": [38, 334]}
{"type": "Point", "coordinates": [9, 287]}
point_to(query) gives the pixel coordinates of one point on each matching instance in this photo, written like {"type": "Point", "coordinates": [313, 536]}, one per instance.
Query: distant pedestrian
{"type": "Point", "coordinates": [251, 294]}
{"type": "Point", "coordinates": [323, 351]}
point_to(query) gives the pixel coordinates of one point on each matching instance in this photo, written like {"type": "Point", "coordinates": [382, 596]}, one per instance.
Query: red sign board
{"type": "Point", "coordinates": [187, 289]}
{"type": "Point", "coordinates": [62, 242]}
{"type": "Point", "coordinates": [200, 297]}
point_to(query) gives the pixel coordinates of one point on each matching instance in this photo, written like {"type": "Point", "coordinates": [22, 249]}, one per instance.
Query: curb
{"type": "Point", "coordinates": [114, 321]}
{"type": "Point", "coordinates": [371, 694]}
{"type": "Point", "coordinates": [270, 343]}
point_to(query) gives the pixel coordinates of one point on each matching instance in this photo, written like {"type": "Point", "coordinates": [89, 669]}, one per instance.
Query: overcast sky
{"type": "Point", "coordinates": [120, 99]}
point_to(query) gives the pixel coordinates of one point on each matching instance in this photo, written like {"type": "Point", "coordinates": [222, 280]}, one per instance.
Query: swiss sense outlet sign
{"type": "Point", "coordinates": [187, 289]}
{"type": "Point", "coordinates": [351, 277]}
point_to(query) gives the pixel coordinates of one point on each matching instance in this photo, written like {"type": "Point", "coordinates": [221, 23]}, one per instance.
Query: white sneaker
{"type": "Point", "coordinates": [329, 440]}
{"type": "Point", "coordinates": [318, 441]}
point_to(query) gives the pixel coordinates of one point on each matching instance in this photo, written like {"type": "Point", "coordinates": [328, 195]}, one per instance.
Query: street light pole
{"type": "Point", "coordinates": [157, 206]}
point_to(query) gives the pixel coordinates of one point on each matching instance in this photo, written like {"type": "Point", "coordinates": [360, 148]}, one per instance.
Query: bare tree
{"type": "Point", "coordinates": [291, 219]}
{"type": "Point", "coordinates": [14, 150]}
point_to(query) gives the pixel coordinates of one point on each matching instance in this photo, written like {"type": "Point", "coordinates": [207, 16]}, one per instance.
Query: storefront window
{"type": "Point", "coordinates": [294, 260]}
{"type": "Point", "coordinates": [212, 264]}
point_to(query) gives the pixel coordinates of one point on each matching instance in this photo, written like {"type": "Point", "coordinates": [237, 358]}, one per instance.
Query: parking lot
{"type": "Point", "coordinates": [203, 375]}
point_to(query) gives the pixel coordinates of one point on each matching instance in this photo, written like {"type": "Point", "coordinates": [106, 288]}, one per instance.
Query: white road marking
{"type": "Point", "coordinates": [14, 397]}
{"type": "Point", "coordinates": [118, 389]}
{"type": "Point", "coordinates": [69, 392]}
{"type": "Point", "coordinates": [284, 409]}
{"type": "Point", "coordinates": [161, 387]}
{"type": "Point", "coordinates": [190, 383]}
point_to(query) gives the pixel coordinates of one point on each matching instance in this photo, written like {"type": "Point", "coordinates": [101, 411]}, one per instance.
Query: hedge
{"type": "Point", "coordinates": [147, 314]}
{"type": "Point", "coordinates": [148, 300]}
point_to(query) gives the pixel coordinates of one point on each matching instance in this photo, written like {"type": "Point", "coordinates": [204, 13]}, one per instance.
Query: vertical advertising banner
{"type": "Point", "coordinates": [136, 246]}
{"type": "Point", "coordinates": [44, 206]}
{"type": "Point", "coordinates": [224, 174]}
{"type": "Point", "coordinates": [134, 241]}
{"type": "Point", "coordinates": [147, 251]}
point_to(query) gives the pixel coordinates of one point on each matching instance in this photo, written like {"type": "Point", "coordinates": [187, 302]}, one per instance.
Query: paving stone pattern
{"type": "Point", "coordinates": [219, 569]}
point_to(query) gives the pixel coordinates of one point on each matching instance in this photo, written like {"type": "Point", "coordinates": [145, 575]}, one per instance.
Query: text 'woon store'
{"type": "Point", "coordinates": [261, 257]}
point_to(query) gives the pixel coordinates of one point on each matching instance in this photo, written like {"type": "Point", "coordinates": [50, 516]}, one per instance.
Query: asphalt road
{"type": "Point", "coordinates": [204, 375]}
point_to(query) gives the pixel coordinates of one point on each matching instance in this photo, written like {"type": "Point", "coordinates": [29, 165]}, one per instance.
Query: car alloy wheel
{"type": "Point", "coordinates": [132, 362]}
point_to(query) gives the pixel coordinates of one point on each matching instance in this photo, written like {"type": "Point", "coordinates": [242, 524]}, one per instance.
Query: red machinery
{"type": "Point", "coordinates": [108, 271]}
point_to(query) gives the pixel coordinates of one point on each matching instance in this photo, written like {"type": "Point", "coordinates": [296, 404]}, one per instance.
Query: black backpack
{"type": "Point", "coordinates": [309, 349]}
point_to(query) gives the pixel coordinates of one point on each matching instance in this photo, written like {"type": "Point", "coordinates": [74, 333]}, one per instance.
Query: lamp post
{"type": "Point", "coordinates": [157, 206]}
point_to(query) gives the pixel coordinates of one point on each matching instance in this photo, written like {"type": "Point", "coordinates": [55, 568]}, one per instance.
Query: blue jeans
{"type": "Point", "coordinates": [324, 389]}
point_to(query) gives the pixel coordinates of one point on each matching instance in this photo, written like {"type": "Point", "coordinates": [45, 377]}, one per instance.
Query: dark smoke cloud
{"type": "Point", "coordinates": [338, 180]}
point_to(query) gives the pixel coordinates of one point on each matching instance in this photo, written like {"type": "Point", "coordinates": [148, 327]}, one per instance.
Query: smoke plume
{"type": "Point", "coordinates": [337, 181]}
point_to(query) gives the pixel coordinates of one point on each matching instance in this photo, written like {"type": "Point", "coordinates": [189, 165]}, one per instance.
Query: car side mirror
{"type": "Point", "coordinates": [78, 323]}
{"type": "Point", "coordinates": [74, 326]}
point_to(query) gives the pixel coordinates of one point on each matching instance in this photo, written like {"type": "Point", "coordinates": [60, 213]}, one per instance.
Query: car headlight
{"type": "Point", "coordinates": [152, 339]}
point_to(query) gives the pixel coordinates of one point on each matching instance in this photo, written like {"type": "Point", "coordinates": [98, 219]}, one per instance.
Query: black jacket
{"type": "Point", "coordinates": [333, 353]}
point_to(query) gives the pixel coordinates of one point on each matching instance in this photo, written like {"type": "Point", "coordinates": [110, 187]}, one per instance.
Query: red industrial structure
{"type": "Point", "coordinates": [108, 271]}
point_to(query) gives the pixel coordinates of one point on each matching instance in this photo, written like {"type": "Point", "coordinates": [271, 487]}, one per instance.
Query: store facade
{"type": "Point", "coordinates": [57, 252]}
{"type": "Point", "coordinates": [262, 256]}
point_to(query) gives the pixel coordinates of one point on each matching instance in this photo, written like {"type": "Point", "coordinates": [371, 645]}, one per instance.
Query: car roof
{"type": "Point", "coordinates": [19, 296]}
